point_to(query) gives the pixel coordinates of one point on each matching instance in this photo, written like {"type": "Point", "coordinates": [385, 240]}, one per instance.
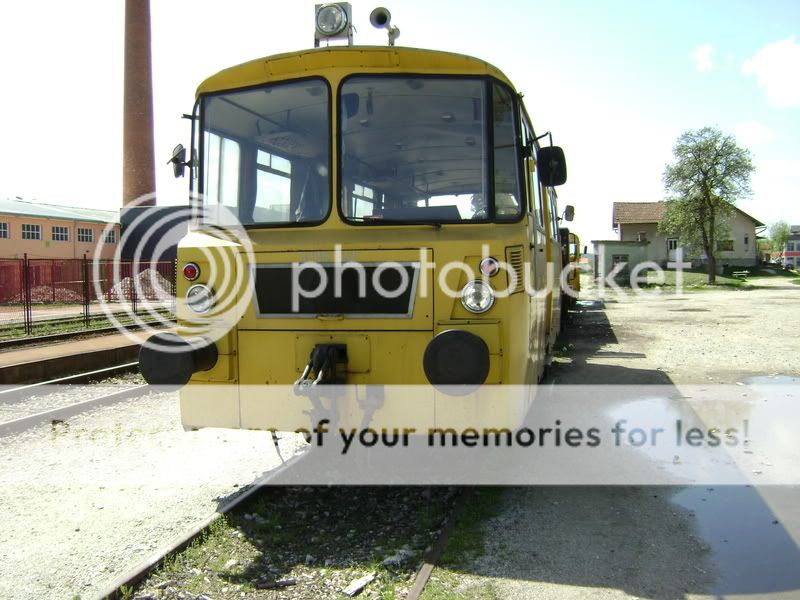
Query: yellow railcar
{"type": "Point", "coordinates": [397, 225]}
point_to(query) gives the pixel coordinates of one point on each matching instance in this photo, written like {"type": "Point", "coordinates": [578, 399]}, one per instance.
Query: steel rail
{"type": "Point", "coordinates": [66, 335]}
{"type": "Point", "coordinates": [432, 556]}
{"type": "Point", "coordinates": [6, 394]}
{"type": "Point", "coordinates": [64, 412]}
{"type": "Point", "coordinates": [138, 573]}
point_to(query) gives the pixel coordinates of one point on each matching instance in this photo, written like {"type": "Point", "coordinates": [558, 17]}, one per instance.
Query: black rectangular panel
{"type": "Point", "coordinates": [277, 285]}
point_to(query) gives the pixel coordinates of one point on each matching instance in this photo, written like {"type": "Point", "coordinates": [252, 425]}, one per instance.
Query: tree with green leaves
{"type": "Point", "coordinates": [779, 233]}
{"type": "Point", "coordinates": [710, 173]}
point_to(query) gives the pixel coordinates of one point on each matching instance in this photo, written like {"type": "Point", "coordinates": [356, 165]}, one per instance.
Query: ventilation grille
{"type": "Point", "coordinates": [514, 259]}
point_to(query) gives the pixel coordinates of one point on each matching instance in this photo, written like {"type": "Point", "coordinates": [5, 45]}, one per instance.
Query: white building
{"type": "Point", "coordinates": [638, 222]}
{"type": "Point", "coordinates": [791, 250]}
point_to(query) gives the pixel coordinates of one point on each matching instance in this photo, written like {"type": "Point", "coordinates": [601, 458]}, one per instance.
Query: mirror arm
{"type": "Point", "coordinates": [547, 134]}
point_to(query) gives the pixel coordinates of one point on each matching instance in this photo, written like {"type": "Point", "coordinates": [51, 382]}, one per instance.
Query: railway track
{"type": "Point", "coordinates": [17, 342]}
{"type": "Point", "coordinates": [13, 397]}
{"type": "Point", "coordinates": [126, 585]}
{"type": "Point", "coordinates": [121, 587]}
{"type": "Point", "coordinates": [117, 589]}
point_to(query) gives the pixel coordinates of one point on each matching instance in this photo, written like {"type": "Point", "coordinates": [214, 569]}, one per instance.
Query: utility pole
{"type": "Point", "coordinates": [138, 162]}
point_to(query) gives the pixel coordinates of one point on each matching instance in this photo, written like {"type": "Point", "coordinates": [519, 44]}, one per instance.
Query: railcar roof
{"type": "Point", "coordinates": [347, 59]}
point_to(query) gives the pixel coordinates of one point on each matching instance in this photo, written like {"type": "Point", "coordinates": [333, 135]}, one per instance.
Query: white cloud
{"type": "Point", "coordinates": [753, 133]}
{"type": "Point", "coordinates": [702, 57]}
{"type": "Point", "coordinates": [776, 67]}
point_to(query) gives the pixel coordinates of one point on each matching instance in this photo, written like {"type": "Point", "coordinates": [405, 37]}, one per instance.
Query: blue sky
{"type": "Point", "coordinates": [616, 82]}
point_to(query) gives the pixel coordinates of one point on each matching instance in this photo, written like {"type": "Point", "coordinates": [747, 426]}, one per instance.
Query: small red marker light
{"type": "Point", "coordinates": [489, 266]}
{"type": "Point", "coordinates": [191, 271]}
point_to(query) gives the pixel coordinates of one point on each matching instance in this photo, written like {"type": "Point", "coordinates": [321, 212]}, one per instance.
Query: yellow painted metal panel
{"type": "Point", "coordinates": [272, 358]}
{"type": "Point", "coordinates": [344, 407]}
{"type": "Point", "coordinates": [205, 405]}
{"type": "Point", "coordinates": [333, 62]}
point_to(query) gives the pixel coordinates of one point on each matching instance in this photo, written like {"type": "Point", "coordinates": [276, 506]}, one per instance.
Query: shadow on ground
{"type": "Point", "coordinates": [546, 541]}
{"type": "Point", "coordinates": [646, 541]}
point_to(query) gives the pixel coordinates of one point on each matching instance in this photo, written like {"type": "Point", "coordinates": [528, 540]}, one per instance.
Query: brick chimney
{"type": "Point", "coordinates": [138, 163]}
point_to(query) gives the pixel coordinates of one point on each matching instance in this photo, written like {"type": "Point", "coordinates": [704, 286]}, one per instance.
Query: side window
{"type": "Point", "coordinates": [536, 207]}
{"type": "Point", "coordinates": [506, 175]}
{"type": "Point", "coordinates": [222, 172]}
{"type": "Point", "coordinates": [551, 192]}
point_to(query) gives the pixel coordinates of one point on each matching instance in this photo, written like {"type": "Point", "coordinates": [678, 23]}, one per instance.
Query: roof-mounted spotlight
{"type": "Point", "coordinates": [333, 21]}
{"type": "Point", "coordinates": [382, 19]}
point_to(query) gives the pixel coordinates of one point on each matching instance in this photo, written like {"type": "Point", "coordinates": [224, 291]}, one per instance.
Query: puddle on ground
{"type": "Point", "coordinates": [750, 547]}
{"type": "Point", "coordinates": [588, 303]}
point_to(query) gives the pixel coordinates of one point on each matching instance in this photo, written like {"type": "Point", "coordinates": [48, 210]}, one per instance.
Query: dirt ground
{"type": "Point", "coordinates": [652, 542]}
{"type": "Point", "coordinates": [723, 336]}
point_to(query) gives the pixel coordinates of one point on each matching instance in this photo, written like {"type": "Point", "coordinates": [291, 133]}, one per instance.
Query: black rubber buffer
{"type": "Point", "coordinates": [456, 357]}
{"type": "Point", "coordinates": [168, 359]}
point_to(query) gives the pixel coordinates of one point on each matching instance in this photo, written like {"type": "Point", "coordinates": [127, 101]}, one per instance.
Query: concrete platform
{"type": "Point", "coordinates": [38, 363]}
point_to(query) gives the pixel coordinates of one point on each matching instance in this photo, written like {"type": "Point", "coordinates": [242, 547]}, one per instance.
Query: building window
{"type": "Point", "coordinates": [60, 234]}
{"type": "Point", "coordinates": [725, 245]}
{"type": "Point", "coordinates": [31, 232]}
{"type": "Point", "coordinates": [746, 239]}
{"type": "Point", "coordinates": [85, 234]}
{"type": "Point", "coordinates": [641, 236]}
{"type": "Point", "coordinates": [4, 231]}
{"type": "Point", "coordinates": [790, 246]}
{"type": "Point", "coordinates": [672, 244]}
{"type": "Point", "coordinates": [110, 237]}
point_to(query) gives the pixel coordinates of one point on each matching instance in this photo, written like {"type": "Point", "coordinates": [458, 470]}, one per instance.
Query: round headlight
{"type": "Point", "coordinates": [199, 298]}
{"type": "Point", "coordinates": [477, 296]}
{"type": "Point", "coordinates": [331, 19]}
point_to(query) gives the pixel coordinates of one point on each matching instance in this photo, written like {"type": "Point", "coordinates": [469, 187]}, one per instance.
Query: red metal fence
{"type": "Point", "coordinates": [36, 290]}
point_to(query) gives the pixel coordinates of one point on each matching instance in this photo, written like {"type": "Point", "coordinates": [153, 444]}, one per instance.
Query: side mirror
{"type": "Point", "coordinates": [569, 212]}
{"type": "Point", "coordinates": [552, 166]}
{"type": "Point", "coordinates": [178, 160]}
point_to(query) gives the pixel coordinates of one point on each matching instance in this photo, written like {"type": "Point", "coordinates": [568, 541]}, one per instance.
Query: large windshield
{"type": "Point", "coordinates": [418, 150]}
{"type": "Point", "coordinates": [266, 153]}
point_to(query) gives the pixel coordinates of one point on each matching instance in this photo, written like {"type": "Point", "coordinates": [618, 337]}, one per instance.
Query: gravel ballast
{"type": "Point", "coordinates": [86, 500]}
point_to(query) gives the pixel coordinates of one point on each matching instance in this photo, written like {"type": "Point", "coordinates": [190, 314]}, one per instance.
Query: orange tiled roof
{"type": "Point", "coordinates": [638, 212]}
{"type": "Point", "coordinates": [650, 212]}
